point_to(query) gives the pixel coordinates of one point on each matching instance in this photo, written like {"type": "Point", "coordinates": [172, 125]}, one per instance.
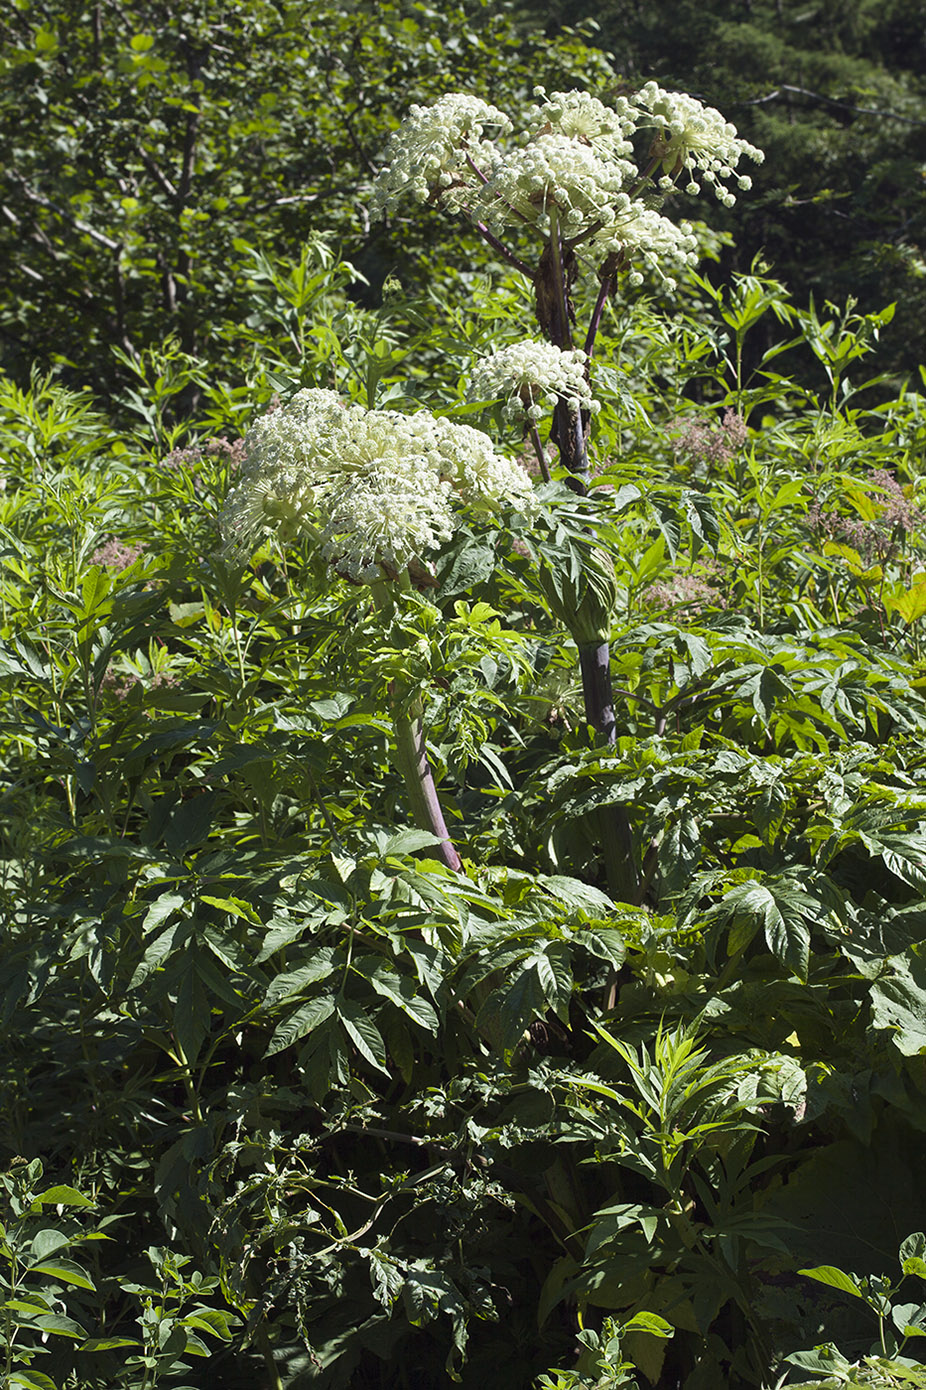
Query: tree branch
{"type": "Point", "coordinates": [787, 88]}
{"type": "Point", "coordinates": [91, 232]}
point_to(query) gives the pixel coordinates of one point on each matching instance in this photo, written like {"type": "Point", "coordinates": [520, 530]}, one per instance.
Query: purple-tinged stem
{"type": "Point", "coordinates": [412, 762]}
{"type": "Point", "coordinates": [503, 251]}
{"type": "Point", "coordinates": [541, 455]}
{"type": "Point", "coordinates": [607, 285]}
{"type": "Point", "coordinates": [411, 751]}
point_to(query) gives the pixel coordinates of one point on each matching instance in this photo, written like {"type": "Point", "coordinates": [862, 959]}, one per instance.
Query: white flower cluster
{"type": "Point", "coordinates": [573, 165]}
{"type": "Point", "coordinates": [697, 138]}
{"type": "Point", "coordinates": [429, 155]}
{"type": "Point", "coordinates": [372, 488]}
{"type": "Point", "coordinates": [554, 172]}
{"type": "Point", "coordinates": [529, 377]}
{"type": "Point", "coordinates": [583, 117]}
{"type": "Point", "coordinates": [643, 234]}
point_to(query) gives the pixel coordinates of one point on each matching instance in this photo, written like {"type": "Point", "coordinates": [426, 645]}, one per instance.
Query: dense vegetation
{"type": "Point", "coordinates": [288, 1100]}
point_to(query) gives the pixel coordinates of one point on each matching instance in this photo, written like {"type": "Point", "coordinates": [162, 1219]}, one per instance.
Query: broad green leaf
{"type": "Point", "coordinates": [31, 1380]}
{"type": "Point", "coordinates": [236, 907]}
{"type": "Point", "coordinates": [403, 993]}
{"type": "Point", "coordinates": [212, 1320]}
{"type": "Point", "coordinates": [835, 1278]}
{"type": "Point", "coordinates": [46, 1241]}
{"type": "Point", "coordinates": [64, 1270]}
{"type": "Point", "coordinates": [60, 1326]}
{"type": "Point", "coordinates": [509, 1009]}
{"type": "Point", "coordinates": [298, 1024]}
{"type": "Point", "coordinates": [363, 1033]}
{"type": "Point", "coordinates": [898, 1002]}
{"type": "Point", "coordinates": [63, 1196]}
{"type": "Point", "coordinates": [161, 909]}
{"type": "Point", "coordinates": [408, 841]}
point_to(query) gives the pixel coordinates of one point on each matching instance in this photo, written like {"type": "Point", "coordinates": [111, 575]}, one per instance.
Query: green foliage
{"type": "Point", "coordinates": [500, 1127]}
{"type": "Point", "coordinates": [153, 159]}
{"type": "Point", "coordinates": [833, 93]}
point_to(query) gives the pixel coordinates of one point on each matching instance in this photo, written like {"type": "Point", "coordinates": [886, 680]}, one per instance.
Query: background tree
{"type": "Point", "coordinates": [142, 146]}
{"type": "Point", "coordinates": [834, 95]}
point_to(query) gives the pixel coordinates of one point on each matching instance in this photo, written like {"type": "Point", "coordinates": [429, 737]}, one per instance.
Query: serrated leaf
{"type": "Point", "coordinates": [509, 1009]}
{"type": "Point", "coordinates": [363, 1033]}
{"type": "Point", "coordinates": [898, 1002]}
{"type": "Point", "coordinates": [402, 992]}
{"type": "Point", "coordinates": [236, 907]}
{"type": "Point", "coordinates": [305, 1020]}
{"type": "Point", "coordinates": [408, 841]}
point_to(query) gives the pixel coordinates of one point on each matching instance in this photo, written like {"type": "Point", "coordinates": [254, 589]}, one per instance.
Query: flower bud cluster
{"type": "Point", "coordinates": [572, 167]}
{"type": "Point", "coordinates": [644, 235]}
{"type": "Point", "coordinates": [529, 377]}
{"type": "Point", "coordinates": [697, 138]}
{"type": "Point", "coordinates": [372, 489]}
{"type": "Point", "coordinates": [432, 154]}
{"type": "Point", "coordinates": [558, 173]}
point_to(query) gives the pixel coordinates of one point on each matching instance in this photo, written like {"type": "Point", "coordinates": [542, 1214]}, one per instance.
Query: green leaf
{"type": "Point", "coordinates": [46, 1241]}
{"type": "Point", "coordinates": [403, 993]}
{"type": "Point", "coordinates": [63, 1196]}
{"type": "Point", "coordinates": [835, 1278]}
{"type": "Point", "coordinates": [64, 1270]}
{"type": "Point", "coordinates": [212, 1320]}
{"type": "Point", "coordinates": [305, 1020]}
{"type": "Point", "coordinates": [649, 1322]}
{"type": "Point", "coordinates": [60, 1326]}
{"type": "Point", "coordinates": [408, 841]}
{"type": "Point", "coordinates": [107, 1343]}
{"type": "Point", "coordinates": [508, 1010]}
{"type": "Point", "coordinates": [31, 1380]}
{"type": "Point", "coordinates": [898, 1002]}
{"type": "Point", "coordinates": [363, 1033]}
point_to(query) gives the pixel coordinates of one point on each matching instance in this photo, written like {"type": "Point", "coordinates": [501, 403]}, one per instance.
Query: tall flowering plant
{"type": "Point", "coordinates": [576, 186]}
{"type": "Point", "coordinates": [563, 192]}
{"type": "Point", "coordinates": [374, 492]}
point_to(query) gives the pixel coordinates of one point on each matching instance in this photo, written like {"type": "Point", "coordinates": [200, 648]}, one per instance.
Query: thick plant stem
{"type": "Point", "coordinates": [541, 456]}
{"type": "Point", "coordinates": [595, 666]}
{"type": "Point", "coordinates": [613, 821]}
{"type": "Point", "coordinates": [411, 751]}
{"type": "Point", "coordinates": [412, 762]}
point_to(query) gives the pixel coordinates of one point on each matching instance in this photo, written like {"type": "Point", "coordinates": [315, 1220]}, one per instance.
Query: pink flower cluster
{"type": "Point", "coordinates": [875, 538]}
{"type": "Point", "coordinates": [708, 443]}
{"type": "Point", "coordinates": [119, 683]}
{"type": "Point", "coordinates": [232, 450]}
{"type": "Point", "coordinates": [686, 589]}
{"type": "Point", "coordinates": [116, 555]}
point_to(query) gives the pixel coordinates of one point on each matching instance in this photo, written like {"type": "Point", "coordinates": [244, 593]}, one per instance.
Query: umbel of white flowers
{"type": "Point", "coordinates": [572, 165]}
{"type": "Point", "coordinates": [529, 377]}
{"type": "Point", "coordinates": [372, 488]}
